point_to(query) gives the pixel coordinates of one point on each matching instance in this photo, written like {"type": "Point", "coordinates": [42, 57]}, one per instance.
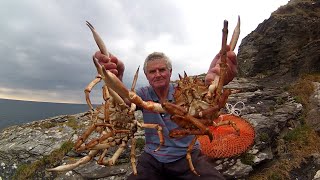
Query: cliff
{"type": "Point", "coordinates": [284, 46]}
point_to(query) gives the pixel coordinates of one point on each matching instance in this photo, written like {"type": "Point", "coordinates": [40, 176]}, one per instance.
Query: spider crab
{"type": "Point", "coordinates": [196, 106]}
{"type": "Point", "coordinates": [114, 121]}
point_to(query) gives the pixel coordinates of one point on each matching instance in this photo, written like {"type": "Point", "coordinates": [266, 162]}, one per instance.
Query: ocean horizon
{"type": "Point", "coordinates": [17, 112]}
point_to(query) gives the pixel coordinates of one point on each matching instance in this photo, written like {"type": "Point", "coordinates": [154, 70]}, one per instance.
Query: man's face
{"type": "Point", "coordinates": [158, 74]}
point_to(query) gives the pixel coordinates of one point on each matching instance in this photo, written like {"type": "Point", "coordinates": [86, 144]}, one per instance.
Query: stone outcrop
{"type": "Point", "coordinates": [285, 45]}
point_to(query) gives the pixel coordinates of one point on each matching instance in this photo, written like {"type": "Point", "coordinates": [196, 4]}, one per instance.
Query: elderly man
{"type": "Point", "coordinates": [169, 161]}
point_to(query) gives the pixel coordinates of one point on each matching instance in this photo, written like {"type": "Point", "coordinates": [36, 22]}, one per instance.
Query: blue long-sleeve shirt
{"type": "Point", "coordinates": [173, 148]}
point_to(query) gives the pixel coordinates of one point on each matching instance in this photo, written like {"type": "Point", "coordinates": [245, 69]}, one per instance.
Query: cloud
{"type": "Point", "coordinates": [46, 49]}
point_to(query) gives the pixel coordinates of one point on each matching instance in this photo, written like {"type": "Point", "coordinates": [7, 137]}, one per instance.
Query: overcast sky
{"type": "Point", "coordinates": [46, 47]}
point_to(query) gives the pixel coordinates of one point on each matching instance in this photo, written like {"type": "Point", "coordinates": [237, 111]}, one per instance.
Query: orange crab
{"type": "Point", "coordinates": [114, 121]}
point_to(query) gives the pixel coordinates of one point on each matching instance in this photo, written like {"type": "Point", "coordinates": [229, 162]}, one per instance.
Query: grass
{"type": "Point", "coordinates": [302, 89]}
{"type": "Point", "coordinates": [264, 137]}
{"type": "Point", "coordinates": [72, 122]}
{"type": "Point", "coordinates": [299, 142]}
{"type": "Point", "coordinates": [140, 143]}
{"type": "Point", "coordinates": [47, 125]}
{"type": "Point", "coordinates": [28, 171]}
{"type": "Point", "coordinates": [298, 134]}
{"type": "Point", "coordinates": [247, 159]}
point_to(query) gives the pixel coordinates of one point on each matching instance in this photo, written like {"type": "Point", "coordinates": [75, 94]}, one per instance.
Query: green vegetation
{"type": "Point", "coordinates": [72, 122]}
{"type": "Point", "coordinates": [298, 134]}
{"type": "Point", "coordinates": [47, 125]}
{"type": "Point", "coordinates": [303, 89]}
{"type": "Point", "coordinates": [264, 137]}
{"type": "Point", "coordinates": [247, 159]}
{"type": "Point", "coordinates": [275, 176]}
{"type": "Point", "coordinates": [140, 142]}
{"type": "Point", "coordinates": [28, 171]}
{"type": "Point", "coordinates": [299, 142]}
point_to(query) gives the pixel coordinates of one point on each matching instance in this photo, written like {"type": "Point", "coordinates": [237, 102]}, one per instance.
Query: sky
{"type": "Point", "coordinates": [46, 48]}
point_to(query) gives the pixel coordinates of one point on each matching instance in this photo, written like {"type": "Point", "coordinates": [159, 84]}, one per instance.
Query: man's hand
{"type": "Point", "coordinates": [113, 64]}
{"type": "Point", "coordinates": [214, 69]}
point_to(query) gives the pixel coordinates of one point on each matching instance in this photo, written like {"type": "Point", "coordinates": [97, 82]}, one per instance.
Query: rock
{"type": "Point", "coordinates": [314, 113]}
{"type": "Point", "coordinates": [238, 169]}
{"type": "Point", "coordinates": [308, 169]}
{"type": "Point", "coordinates": [285, 45]}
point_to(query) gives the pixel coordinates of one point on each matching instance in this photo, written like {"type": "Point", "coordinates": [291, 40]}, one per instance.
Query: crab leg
{"type": "Point", "coordinates": [135, 79]}
{"type": "Point", "coordinates": [115, 156]}
{"type": "Point", "coordinates": [133, 156]}
{"type": "Point", "coordinates": [89, 88]}
{"type": "Point", "coordinates": [235, 36]}
{"type": "Point", "coordinates": [159, 131]}
{"type": "Point", "coordinates": [183, 115]}
{"type": "Point", "coordinates": [85, 135]}
{"type": "Point", "coordinates": [189, 158]}
{"type": "Point", "coordinates": [223, 64]}
{"type": "Point", "coordinates": [83, 160]}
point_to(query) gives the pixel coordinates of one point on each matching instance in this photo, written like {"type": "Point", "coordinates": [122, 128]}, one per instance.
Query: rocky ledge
{"type": "Point", "coordinates": [272, 111]}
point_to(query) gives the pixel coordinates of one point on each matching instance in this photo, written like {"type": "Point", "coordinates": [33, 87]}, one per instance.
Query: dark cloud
{"type": "Point", "coordinates": [46, 49]}
{"type": "Point", "coordinates": [47, 46]}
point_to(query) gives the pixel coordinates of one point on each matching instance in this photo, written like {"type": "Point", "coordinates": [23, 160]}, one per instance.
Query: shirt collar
{"type": "Point", "coordinates": [154, 96]}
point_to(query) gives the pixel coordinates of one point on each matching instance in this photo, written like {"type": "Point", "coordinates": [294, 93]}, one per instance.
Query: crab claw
{"type": "Point", "coordinates": [235, 36]}
{"type": "Point", "coordinates": [98, 39]}
{"type": "Point", "coordinates": [217, 83]}
{"type": "Point", "coordinates": [114, 83]}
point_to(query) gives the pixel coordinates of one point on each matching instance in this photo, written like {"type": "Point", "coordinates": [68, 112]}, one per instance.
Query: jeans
{"type": "Point", "coordinates": [150, 169]}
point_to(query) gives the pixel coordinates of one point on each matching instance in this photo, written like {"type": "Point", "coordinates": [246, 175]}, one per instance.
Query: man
{"type": "Point", "coordinates": [169, 162]}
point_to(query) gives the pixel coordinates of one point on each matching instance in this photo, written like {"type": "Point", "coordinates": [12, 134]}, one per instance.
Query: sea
{"type": "Point", "coordinates": [16, 112]}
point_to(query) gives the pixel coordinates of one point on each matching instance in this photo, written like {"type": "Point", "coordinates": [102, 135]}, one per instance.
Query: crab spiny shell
{"type": "Point", "coordinates": [190, 94]}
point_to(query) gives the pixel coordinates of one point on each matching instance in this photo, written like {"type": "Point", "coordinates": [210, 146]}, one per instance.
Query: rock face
{"type": "Point", "coordinates": [287, 44]}
{"type": "Point", "coordinates": [281, 48]}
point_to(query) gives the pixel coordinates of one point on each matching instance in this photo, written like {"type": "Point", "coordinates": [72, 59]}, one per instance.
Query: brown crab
{"type": "Point", "coordinates": [196, 105]}
{"type": "Point", "coordinates": [114, 121]}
